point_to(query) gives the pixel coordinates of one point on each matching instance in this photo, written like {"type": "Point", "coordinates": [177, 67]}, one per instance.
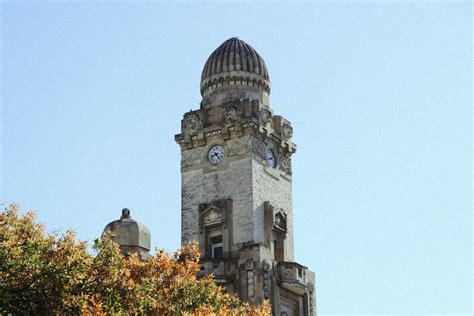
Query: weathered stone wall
{"type": "Point", "coordinates": [249, 183]}
{"type": "Point", "coordinates": [271, 186]}
{"type": "Point", "coordinates": [234, 182]}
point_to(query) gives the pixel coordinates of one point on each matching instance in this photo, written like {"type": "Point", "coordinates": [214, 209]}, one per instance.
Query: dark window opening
{"type": "Point", "coordinates": [280, 222]}
{"type": "Point", "coordinates": [217, 247]}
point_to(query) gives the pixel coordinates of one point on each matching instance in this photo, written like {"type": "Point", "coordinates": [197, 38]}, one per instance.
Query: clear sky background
{"type": "Point", "coordinates": [379, 95]}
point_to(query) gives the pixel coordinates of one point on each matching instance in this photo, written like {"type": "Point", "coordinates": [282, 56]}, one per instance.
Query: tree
{"type": "Point", "coordinates": [44, 273]}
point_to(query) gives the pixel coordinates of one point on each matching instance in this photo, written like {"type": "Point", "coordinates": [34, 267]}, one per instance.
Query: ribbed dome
{"type": "Point", "coordinates": [235, 60]}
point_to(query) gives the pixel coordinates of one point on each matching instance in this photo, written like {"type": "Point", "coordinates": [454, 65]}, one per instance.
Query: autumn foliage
{"type": "Point", "coordinates": [44, 273]}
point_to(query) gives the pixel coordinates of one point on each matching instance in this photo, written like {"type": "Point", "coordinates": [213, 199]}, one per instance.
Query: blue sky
{"type": "Point", "coordinates": [379, 95]}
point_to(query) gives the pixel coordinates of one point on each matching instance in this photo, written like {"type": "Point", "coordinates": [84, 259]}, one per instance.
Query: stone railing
{"type": "Point", "coordinates": [293, 275]}
{"type": "Point", "coordinates": [216, 267]}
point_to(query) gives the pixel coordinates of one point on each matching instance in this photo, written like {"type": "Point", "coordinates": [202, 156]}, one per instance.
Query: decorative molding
{"type": "Point", "coordinates": [258, 147]}
{"type": "Point", "coordinates": [192, 124]}
{"type": "Point", "coordinates": [212, 216]}
{"type": "Point", "coordinates": [287, 131]}
{"type": "Point", "coordinates": [249, 144]}
{"type": "Point", "coordinates": [216, 215]}
{"type": "Point", "coordinates": [235, 148]}
{"type": "Point", "coordinates": [184, 158]}
{"type": "Point", "coordinates": [267, 282]}
{"type": "Point", "coordinates": [265, 117]}
{"type": "Point", "coordinates": [191, 157]}
{"type": "Point", "coordinates": [249, 264]}
{"type": "Point", "coordinates": [285, 164]}
{"type": "Point", "coordinates": [230, 78]}
{"type": "Point", "coordinates": [235, 118]}
{"type": "Point", "coordinates": [250, 284]}
{"type": "Point", "coordinates": [195, 157]}
{"type": "Point", "coordinates": [213, 133]}
{"type": "Point", "coordinates": [230, 114]}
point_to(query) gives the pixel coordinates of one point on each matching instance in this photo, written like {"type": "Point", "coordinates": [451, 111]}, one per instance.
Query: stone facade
{"type": "Point", "coordinates": [236, 184]}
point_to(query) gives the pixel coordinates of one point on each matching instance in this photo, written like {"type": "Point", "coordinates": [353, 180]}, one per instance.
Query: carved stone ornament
{"type": "Point", "coordinates": [184, 159]}
{"type": "Point", "coordinates": [191, 124]}
{"type": "Point", "coordinates": [287, 131]}
{"type": "Point", "coordinates": [249, 264]}
{"type": "Point", "coordinates": [285, 164]}
{"type": "Point", "coordinates": [212, 217]}
{"type": "Point", "coordinates": [258, 147]}
{"type": "Point", "coordinates": [190, 158]}
{"type": "Point", "coordinates": [194, 157]}
{"type": "Point", "coordinates": [230, 114]}
{"type": "Point", "coordinates": [265, 116]}
{"type": "Point", "coordinates": [249, 144]}
{"type": "Point", "coordinates": [250, 284]}
{"type": "Point", "coordinates": [266, 285]}
{"type": "Point", "coordinates": [235, 148]}
{"type": "Point", "coordinates": [266, 265]}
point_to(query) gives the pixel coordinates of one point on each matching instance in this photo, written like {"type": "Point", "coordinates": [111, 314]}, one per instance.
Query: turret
{"type": "Point", "coordinates": [132, 236]}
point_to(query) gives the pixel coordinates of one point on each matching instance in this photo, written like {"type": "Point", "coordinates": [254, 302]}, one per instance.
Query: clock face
{"type": "Point", "coordinates": [270, 157]}
{"type": "Point", "coordinates": [215, 154]}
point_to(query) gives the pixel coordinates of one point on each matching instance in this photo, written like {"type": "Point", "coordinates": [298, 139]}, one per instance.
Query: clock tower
{"type": "Point", "coordinates": [236, 199]}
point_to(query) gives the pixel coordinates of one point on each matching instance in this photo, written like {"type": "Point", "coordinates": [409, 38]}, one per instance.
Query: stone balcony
{"type": "Point", "coordinates": [219, 268]}
{"type": "Point", "coordinates": [294, 277]}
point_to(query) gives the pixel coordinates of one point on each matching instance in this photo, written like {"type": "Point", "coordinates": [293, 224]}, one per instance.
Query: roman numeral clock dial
{"type": "Point", "coordinates": [215, 154]}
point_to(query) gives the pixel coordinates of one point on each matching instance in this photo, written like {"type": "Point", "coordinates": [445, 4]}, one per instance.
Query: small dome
{"type": "Point", "coordinates": [235, 60]}
{"type": "Point", "coordinates": [130, 234]}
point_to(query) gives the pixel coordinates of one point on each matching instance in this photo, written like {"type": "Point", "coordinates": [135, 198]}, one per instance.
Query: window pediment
{"type": "Point", "coordinates": [212, 215]}
{"type": "Point", "coordinates": [215, 229]}
{"type": "Point", "coordinates": [280, 221]}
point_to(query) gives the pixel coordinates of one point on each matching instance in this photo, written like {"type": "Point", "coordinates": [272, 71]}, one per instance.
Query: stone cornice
{"type": "Point", "coordinates": [230, 78]}
{"type": "Point", "coordinates": [232, 119]}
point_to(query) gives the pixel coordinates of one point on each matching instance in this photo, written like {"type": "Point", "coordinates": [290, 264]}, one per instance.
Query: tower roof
{"type": "Point", "coordinates": [235, 60]}
{"type": "Point", "coordinates": [129, 232]}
